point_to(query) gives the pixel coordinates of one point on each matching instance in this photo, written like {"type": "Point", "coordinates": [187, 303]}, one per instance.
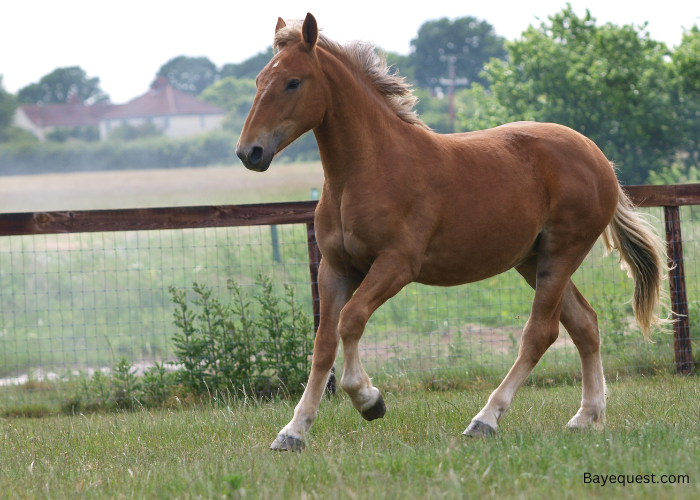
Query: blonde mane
{"type": "Point", "coordinates": [366, 58]}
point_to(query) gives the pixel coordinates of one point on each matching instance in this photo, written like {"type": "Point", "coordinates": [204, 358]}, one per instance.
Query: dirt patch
{"type": "Point", "coordinates": [483, 339]}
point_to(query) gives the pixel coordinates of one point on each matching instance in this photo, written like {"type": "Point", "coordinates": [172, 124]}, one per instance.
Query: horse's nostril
{"type": "Point", "coordinates": [256, 154]}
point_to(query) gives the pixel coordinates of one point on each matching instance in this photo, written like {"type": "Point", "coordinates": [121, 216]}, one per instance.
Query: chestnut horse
{"type": "Point", "coordinates": [401, 203]}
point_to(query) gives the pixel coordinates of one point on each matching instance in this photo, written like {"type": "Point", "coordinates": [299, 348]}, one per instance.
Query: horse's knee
{"type": "Point", "coordinates": [353, 319]}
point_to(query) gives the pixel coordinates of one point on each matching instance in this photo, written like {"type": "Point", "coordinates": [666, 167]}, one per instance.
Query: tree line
{"type": "Point", "coordinates": [638, 99]}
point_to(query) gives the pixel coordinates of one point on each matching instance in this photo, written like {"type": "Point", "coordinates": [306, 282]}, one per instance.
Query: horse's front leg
{"type": "Point", "coordinates": [387, 276]}
{"type": "Point", "coordinates": [335, 289]}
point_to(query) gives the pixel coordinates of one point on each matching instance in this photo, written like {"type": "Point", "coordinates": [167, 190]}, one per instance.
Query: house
{"type": "Point", "coordinates": [41, 119]}
{"type": "Point", "coordinates": [175, 113]}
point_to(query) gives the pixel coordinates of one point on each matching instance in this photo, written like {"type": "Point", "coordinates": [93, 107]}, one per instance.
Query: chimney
{"type": "Point", "coordinates": [159, 83]}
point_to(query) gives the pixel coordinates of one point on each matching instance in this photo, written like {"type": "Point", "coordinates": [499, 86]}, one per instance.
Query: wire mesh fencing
{"type": "Point", "coordinates": [80, 307]}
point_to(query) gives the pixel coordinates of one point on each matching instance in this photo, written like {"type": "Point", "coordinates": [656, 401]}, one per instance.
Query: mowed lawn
{"type": "Point", "coordinates": [220, 185]}
{"type": "Point", "coordinates": [416, 451]}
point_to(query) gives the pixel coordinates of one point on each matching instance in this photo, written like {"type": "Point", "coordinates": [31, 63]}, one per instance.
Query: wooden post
{"type": "Point", "coordinates": [314, 261]}
{"type": "Point", "coordinates": [679, 299]}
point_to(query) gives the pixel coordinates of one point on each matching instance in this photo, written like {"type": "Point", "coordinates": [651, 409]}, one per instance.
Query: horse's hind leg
{"type": "Point", "coordinates": [556, 261]}
{"type": "Point", "coordinates": [581, 321]}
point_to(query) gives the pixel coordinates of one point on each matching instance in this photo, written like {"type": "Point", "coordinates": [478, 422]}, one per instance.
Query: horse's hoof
{"type": "Point", "coordinates": [580, 427]}
{"type": "Point", "coordinates": [479, 429]}
{"type": "Point", "coordinates": [377, 410]}
{"type": "Point", "coordinates": [287, 443]}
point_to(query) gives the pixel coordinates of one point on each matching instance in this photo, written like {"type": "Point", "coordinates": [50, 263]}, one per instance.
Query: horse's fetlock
{"type": "Point", "coordinates": [351, 385]}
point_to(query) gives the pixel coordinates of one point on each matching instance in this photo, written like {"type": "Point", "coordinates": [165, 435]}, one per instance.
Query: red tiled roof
{"type": "Point", "coordinates": [65, 115]}
{"type": "Point", "coordinates": [162, 100]}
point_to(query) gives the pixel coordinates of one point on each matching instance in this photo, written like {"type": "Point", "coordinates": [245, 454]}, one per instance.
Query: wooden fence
{"type": "Point", "coordinates": [670, 197]}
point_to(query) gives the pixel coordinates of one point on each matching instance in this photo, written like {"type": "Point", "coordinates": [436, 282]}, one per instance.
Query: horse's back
{"type": "Point", "coordinates": [506, 185]}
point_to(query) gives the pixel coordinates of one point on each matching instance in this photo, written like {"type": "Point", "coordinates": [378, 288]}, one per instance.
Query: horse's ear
{"type": "Point", "coordinates": [280, 24]}
{"type": "Point", "coordinates": [309, 32]}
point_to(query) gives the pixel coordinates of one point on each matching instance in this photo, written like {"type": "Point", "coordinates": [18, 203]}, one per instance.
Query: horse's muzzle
{"type": "Point", "coordinates": [255, 158]}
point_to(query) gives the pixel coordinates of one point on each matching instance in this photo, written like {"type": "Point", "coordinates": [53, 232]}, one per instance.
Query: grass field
{"type": "Point", "coordinates": [220, 450]}
{"type": "Point", "coordinates": [229, 185]}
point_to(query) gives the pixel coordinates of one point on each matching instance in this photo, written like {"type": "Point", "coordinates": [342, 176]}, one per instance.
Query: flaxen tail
{"type": "Point", "coordinates": [643, 254]}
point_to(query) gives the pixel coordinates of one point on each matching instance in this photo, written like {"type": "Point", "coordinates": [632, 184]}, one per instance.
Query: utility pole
{"type": "Point", "coordinates": [451, 82]}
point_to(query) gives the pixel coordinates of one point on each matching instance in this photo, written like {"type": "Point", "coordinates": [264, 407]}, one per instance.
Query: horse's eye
{"type": "Point", "coordinates": [293, 84]}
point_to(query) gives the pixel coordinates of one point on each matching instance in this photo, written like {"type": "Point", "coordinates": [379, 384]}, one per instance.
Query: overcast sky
{"type": "Point", "coordinates": [125, 42]}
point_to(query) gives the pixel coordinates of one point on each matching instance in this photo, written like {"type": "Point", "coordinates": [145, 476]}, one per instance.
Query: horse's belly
{"type": "Point", "coordinates": [455, 260]}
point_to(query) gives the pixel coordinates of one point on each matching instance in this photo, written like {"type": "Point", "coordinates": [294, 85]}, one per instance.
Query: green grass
{"type": "Point", "coordinates": [416, 451]}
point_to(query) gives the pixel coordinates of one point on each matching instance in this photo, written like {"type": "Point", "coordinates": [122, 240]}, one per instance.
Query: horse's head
{"type": "Point", "coordinates": [291, 98]}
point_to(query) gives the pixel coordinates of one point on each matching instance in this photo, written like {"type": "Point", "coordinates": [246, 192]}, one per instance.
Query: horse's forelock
{"type": "Point", "coordinates": [364, 57]}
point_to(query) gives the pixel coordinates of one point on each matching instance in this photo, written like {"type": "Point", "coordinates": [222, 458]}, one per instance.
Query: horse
{"type": "Point", "coordinates": [401, 203]}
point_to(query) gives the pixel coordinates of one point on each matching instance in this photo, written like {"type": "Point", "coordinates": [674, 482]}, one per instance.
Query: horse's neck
{"type": "Point", "coordinates": [357, 127]}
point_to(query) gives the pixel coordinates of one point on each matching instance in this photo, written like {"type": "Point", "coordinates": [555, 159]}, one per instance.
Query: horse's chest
{"type": "Point", "coordinates": [344, 246]}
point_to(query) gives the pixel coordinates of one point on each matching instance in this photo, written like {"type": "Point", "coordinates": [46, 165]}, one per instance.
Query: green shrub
{"type": "Point", "coordinates": [213, 148]}
{"type": "Point", "coordinates": [217, 147]}
{"type": "Point", "coordinates": [220, 346]}
{"type": "Point", "coordinates": [132, 132]}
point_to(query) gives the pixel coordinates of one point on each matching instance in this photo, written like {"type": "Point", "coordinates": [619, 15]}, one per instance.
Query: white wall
{"type": "Point", "coordinates": [172, 126]}
{"type": "Point", "coordinates": [21, 120]}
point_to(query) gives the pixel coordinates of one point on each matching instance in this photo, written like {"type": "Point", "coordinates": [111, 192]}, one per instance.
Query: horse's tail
{"type": "Point", "coordinates": [643, 255]}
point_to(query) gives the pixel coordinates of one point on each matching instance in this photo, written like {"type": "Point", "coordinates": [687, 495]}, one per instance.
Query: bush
{"type": "Point", "coordinates": [220, 346]}
{"type": "Point", "coordinates": [213, 148]}
{"type": "Point", "coordinates": [89, 133]}
{"type": "Point", "coordinates": [132, 132]}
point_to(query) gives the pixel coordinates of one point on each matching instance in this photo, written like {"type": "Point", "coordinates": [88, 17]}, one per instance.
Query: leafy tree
{"type": "Point", "coordinates": [401, 64]}
{"type": "Point", "coordinates": [469, 41]}
{"type": "Point", "coordinates": [249, 68]}
{"type": "Point", "coordinates": [189, 74]}
{"type": "Point", "coordinates": [235, 96]}
{"type": "Point", "coordinates": [686, 66]}
{"type": "Point", "coordinates": [611, 83]}
{"type": "Point", "coordinates": [62, 85]}
{"type": "Point", "coordinates": [7, 108]}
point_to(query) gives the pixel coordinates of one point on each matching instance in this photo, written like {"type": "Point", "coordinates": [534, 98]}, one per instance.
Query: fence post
{"type": "Point", "coordinates": [314, 261]}
{"type": "Point", "coordinates": [679, 300]}
{"type": "Point", "coordinates": [275, 244]}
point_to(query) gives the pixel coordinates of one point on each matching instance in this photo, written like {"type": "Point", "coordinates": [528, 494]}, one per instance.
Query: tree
{"type": "Point", "coordinates": [62, 85]}
{"type": "Point", "coordinates": [686, 67]}
{"type": "Point", "coordinates": [611, 83]}
{"type": "Point", "coordinates": [250, 67]}
{"type": "Point", "coordinates": [235, 96]}
{"type": "Point", "coordinates": [189, 74]}
{"type": "Point", "coordinates": [470, 43]}
{"type": "Point", "coordinates": [7, 108]}
{"type": "Point", "coordinates": [401, 64]}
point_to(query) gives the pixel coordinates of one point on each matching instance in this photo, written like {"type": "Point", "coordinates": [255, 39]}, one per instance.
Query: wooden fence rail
{"type": "Point", "coordinates": [670, 197]}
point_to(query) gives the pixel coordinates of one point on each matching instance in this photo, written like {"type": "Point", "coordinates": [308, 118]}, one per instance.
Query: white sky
{"type": "Point", "coordinates": [125, 42]}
